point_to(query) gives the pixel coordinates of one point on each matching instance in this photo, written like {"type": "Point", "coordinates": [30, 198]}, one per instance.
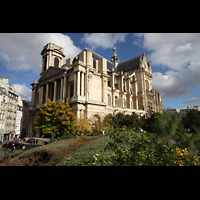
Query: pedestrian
{"type": "Point", "coordinates": [12, 148]}
{"type": "Point", "coordinates": [36, 141]}
{"type": "Point", "coordinates": [7, 146]}
{"type": "Point", "coordinates": [31, 142]}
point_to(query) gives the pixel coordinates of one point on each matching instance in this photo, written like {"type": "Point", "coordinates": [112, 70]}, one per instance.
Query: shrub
{"type": "Point", "coordinates": [83, 127]}
{"type": "Point", "coordinates": [141, 150]}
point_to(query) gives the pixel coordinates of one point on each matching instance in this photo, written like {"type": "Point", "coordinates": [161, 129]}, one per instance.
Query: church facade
{"type": "Point", "coordinates": [93, 85]}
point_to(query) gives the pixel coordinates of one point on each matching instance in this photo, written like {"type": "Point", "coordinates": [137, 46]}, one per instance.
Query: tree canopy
{"type": "Point", "coordinates": [192, 120]}
{"type": "Point", "coordinates": [56, 119]}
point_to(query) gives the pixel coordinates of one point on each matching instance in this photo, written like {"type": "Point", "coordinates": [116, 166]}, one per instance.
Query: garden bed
{"type": "Point", "coordinates": [85, 152]}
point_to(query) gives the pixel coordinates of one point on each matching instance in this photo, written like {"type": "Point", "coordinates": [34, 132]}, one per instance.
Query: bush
{"type": "Point", "coordinates": [81, 156]}
{"type": "Point", "coordinates": [83, 127]}
{"type": "Point", "coordinates": [141, 150]}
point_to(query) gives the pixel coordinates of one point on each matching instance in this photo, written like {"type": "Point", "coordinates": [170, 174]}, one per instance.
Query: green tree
{"type": "Point", "coordinates": [163, 126]}
{"type": "Point", "coordinates": [192, 120]}
{"type": "Point", "coordinates": [56, 119]}
{"type": "Point", "coordinates": [120, 120]}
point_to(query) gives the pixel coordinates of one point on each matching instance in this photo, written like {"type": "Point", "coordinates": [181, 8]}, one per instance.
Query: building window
{"type": "Point", "coordinates": [109, 100]}
{"type": "Point", "coordinates": [56, 62]}
{"type": "Point", "coordinates": [71, 90]}
{"type": "Point", "coordinates": [4, 91]}
{"type": "Point", "coordinates": [147, 85]}
{"type": "Point", "coordinates": [94, 64]}
{"type": "Point", "coordinates": [45, 63]}
{"type": "Point", "coordinates": [116, 101]}
{"type": "Point", "coordinates": [125, 103]}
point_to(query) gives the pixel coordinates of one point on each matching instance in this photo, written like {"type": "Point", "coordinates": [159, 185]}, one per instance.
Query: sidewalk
{"type": "Point", "coordinates": [40, 141]}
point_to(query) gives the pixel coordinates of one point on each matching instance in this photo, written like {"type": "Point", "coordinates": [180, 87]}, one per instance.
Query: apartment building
{"type": "Point", "coordinates": [8, 111]}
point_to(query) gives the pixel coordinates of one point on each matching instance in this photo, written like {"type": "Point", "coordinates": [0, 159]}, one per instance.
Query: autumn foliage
{"type": "Point", "coordinates": [56, 119]}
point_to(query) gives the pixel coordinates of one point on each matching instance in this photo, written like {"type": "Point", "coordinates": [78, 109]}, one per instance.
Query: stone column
{"type": "Point", "coordinates": [113, 80]}
{"type": "Point", "coordinates": [55, 91]}
{"type": "Point", "coordinates": [41, 95]}
{"type": "Point", "coordinates": [128, 93]}
{"type": "Point", "coordinates": [78, 83]}
{"type": "Point", "coordinates": [155, 94]}
{"type": "Point", "coordinates": [64, 88]}
{"type": "Point", "coordinates": [61, 89]}
{"type": "Point", "coordinates": [33, 97]}
{"type": "Point", "coordinates": [82, 84]}
{"type": "Point", "coordinates": [74, 83]}
{"type": "Point", "coordinates": [47, 91]}
{"type": "Point", "coordinates": [136, 97]}
{"type": "Point", "coordinates": [113, 99]}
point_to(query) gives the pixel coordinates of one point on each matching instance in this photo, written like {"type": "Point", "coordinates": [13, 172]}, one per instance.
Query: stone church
{"type": "Point", "coordinates": [94, 85]}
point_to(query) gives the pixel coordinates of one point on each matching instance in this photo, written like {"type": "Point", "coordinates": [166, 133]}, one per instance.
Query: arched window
{"type": "Point", "coordinates": [109, 100]}
{"type": "Point", "coordinates": [45, 63]}
{"type": "Point", "coordinates": [125, 103]}
{"type": "Point", "coordinates": [116, 101]}
{"type": "Point", "coordinates": [56, 62]}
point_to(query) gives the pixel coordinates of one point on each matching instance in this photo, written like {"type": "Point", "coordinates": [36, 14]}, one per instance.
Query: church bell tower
{"type": "Point", "coordinates": [115, 59]}
{"type": "Point", "coordinates": [52, 55]}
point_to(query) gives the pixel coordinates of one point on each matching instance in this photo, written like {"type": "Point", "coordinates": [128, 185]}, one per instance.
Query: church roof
{"type": "Point", "coordinates": [98, 57]}
{"type": "Point", "coordinates": [50, 72]}
{"type": "Point", "coordinates": [129, 64]}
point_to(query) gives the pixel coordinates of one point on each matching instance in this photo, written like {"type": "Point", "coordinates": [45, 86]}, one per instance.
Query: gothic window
{"type": "Point", "coordinates": [147, 85]}
{"type": "Point", "coordinates": [56, 62]}
{"type": "Point", "coordinates": [45, 63]}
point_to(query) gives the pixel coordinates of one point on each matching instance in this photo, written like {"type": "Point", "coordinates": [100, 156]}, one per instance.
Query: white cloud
{"type": "Point", "coordinates": [185, 47]}
{"type": "Point", "coordinates": [21, 51]}
{"type": "Point", "coordinates": [173, 50]}
{"type": "Point", "coordinates": [104, 40]}
{"type": "Point", "coordinates": [194, 101]}
{"type": "Point", "coordinates": [22, 90]}
{"type": "Point", "coordinates": [171, 85]}
{"type": "Point", "coordinates": [178, 53]}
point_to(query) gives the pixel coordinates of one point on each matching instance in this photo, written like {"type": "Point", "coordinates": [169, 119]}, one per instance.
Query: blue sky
{"type": "Point", "coordinates": [174, 58]}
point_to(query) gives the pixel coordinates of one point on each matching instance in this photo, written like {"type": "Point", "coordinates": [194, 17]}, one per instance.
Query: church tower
{"type": "Point", "coordinates": [115, 59]}
{"type": "Point", "coordinates": [52, 55]}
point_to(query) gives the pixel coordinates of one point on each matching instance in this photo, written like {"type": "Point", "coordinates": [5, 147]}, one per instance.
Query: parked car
{"type": "Point", "coordinates": [31, 139]}
{"type": "Point", "coordinates": [17, 145]}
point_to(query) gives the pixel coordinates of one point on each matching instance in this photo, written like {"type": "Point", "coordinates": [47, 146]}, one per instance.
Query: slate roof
{"type": "Point", "coordinates": [97, 57]}
{"type": "Point", "coordinates": [124, 66]}
{"type": "Point", "coordinates": [129, 64]}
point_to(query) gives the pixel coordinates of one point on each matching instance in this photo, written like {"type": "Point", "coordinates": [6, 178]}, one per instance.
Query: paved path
{"type": "Point", "coordinates": [27, 145]}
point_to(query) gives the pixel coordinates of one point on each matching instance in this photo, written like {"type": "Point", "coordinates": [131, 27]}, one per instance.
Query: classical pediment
{"type": "Point", "coordinates": [132, 74]}
{"type": "Point", "coordinates": [50, 73]}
